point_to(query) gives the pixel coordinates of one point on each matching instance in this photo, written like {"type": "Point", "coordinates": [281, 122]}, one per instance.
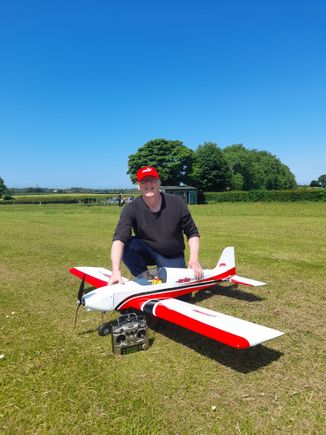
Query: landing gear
{"type": "Point", "coordinates": [104, 329]}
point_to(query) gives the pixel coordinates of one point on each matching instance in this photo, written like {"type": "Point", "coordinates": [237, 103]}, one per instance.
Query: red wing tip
{"type": "Point", "coordinates": [242, 346]}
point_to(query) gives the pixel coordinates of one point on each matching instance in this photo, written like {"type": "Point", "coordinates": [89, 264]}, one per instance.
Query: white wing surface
{"type": "Point", "coordinates": [220, 327]}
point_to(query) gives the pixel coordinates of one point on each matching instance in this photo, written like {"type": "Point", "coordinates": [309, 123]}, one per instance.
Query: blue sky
{"type": "Point", "coordinates": [85, 83]}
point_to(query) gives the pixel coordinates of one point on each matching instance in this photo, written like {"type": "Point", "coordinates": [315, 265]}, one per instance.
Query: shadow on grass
{"type": "Point", "coordinates": [88, 331]}
{"type": "Point", "coordinates": [241, 360]}
{"type": "Point", "coordinates": [231, 291]}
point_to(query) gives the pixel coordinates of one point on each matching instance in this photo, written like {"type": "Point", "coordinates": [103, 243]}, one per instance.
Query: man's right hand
{"type": "Point", "coordinates": [116, 256]}
{"type": "Point", "coordinates": [116, 278]}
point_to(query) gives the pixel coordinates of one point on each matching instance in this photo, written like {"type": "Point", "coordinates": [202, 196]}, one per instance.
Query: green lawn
{"type": "Point", "coordinates": [55, 379]}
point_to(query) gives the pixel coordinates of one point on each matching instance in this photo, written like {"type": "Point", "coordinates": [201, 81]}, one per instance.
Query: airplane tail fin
{"type": "Point", "coordinates": [227, 261]}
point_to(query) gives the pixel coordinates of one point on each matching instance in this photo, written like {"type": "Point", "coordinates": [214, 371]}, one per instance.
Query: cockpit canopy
{"type": "Point", "coordinates": [152, 276]}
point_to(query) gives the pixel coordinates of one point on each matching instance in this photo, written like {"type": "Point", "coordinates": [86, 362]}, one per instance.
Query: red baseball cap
{"type": "Point", "coordinates": [146, 171]}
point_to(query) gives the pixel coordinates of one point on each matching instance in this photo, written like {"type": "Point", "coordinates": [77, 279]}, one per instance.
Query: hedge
{"type": "Point", "coordinates": [317, 194]}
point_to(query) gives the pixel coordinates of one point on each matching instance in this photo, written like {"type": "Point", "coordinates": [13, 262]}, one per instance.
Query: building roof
{"type": "Point", "coordinates": [178, 188]}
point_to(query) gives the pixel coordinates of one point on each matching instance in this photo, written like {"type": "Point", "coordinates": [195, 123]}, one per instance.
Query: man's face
{"type": "Point", "coordinates": [149, 186]}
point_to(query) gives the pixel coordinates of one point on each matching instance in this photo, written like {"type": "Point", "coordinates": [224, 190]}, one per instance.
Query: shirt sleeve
{"type": "Point", "coordinates": [124, 227]}
{"type": "Point", "coordinates": [188, 225]}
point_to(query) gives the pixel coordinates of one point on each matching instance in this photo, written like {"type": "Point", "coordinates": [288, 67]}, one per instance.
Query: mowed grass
{"type": "Point", "coordinates": [56, 379]}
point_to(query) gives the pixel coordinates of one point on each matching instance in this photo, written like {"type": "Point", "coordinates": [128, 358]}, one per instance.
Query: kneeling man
{"type": "Point", "coordinates": [158, 222]}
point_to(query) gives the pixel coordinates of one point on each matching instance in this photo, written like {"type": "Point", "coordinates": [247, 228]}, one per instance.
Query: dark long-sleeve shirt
{"type": "Point", "coordinates": [162, 231]}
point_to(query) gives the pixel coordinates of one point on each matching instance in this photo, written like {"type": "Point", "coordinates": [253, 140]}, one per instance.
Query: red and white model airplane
{"type": "Point", "coordinates": [155, 293]}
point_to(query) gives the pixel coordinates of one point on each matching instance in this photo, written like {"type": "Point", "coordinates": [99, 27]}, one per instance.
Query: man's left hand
{"type": "Point", "coordinates": [196, 267]}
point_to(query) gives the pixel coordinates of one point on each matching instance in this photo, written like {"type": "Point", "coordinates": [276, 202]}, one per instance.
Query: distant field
{"type": "Point", "coordinates": [293, 195]}
{"type": "Point", "coordinates": [63, 198]}
{"type": "Point", "coordinates": [58, 380]}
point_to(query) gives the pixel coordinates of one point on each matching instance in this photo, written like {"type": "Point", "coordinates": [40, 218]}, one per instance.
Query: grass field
{"type": "Point", "coordinates": [58, 380]}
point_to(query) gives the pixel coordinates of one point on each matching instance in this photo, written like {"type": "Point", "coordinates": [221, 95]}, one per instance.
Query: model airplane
{"type": "Point", "coordinates": [155, 293]}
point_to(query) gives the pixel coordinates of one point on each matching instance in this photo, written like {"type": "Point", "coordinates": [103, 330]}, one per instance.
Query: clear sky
{"type": "Point", "coordinates": [85, 83]}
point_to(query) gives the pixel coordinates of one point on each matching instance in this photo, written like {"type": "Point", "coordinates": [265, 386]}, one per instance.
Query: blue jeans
{"type": "Point", "coordinates": [138, 255]}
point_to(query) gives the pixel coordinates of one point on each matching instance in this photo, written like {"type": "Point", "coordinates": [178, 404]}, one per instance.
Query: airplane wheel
{"type": "Point", "coordinates": [104, 329]}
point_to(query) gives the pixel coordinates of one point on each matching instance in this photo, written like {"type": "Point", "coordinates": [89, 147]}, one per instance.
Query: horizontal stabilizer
{"type": "Point", "coordinates": [245, 281]}
{"type": "Point", "coordinates": [220, 327]}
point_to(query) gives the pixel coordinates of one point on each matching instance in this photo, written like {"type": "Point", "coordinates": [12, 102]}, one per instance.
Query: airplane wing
{"type": "Point", "coordinates": [220, 327]}
{"type": "Point", "coordinates": [96, 276]}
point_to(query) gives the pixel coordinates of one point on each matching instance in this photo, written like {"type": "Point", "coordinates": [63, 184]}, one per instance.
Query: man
{"type": "Point", "coordinates": [158, 221]}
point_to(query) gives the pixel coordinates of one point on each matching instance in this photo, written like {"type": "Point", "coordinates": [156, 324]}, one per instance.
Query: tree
{"type": "Point", "coordinates": [3, 188]}
{"type": "Point", "coordinates": [322, 180]}
{"type": "Point", "coordinates": [237, 182]}
{"type": "Point", "coordinates": [241, 162]}
{"type": "Point", "coordinates": [277, 175]}
{"type": "Point", "coordinates": [211, 172]}
{"type": "Point", "coordinates": [259, 169]}
{"type": "Point", "coordinates": [172, 159]}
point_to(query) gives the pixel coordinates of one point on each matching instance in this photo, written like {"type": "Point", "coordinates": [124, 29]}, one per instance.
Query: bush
{"type": "Point", "coordinates": [8, 197]}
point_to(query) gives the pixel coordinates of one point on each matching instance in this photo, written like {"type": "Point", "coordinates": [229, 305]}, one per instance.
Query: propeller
{"type": "Point", "coordinates": [80, 295]}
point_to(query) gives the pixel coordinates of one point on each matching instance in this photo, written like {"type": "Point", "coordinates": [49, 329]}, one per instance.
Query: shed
{"type": "Point", "coordinates": [188, 193]}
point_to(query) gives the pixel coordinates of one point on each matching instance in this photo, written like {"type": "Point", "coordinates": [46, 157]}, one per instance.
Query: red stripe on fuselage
{"type": "Point", "coordinates": [134, 301]}
{"type": "Point", "coordinates": [201, 328]}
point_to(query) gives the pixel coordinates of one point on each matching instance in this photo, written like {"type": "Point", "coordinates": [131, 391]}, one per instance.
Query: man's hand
{"type": "Point", "coordinates": [116, 256]}
{"type": "Point", "coordinates": [196, 267]}
{"type": "Point", "coordinates": [193, 262]}
{"type": "Point", "coordinates": [116, 278]}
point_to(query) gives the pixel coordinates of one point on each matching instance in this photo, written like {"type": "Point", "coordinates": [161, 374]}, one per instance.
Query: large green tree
{"type": "Point", "coordinates": [245, 173]}
{"type": "Point", "coordinates": [276, 175]}
{"type": "Point", "coordinates": [211, 172]}
{"type": "Point", "coordinates": [257, 169]}
{"type": "Point", "coordinates": [172, 159]}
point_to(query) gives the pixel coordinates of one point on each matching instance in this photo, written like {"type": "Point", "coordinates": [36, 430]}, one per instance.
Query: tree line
{"type": "Point", "coordinates": [212, 169]}
{"type": "Point", "coordinates": [209, 168]}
